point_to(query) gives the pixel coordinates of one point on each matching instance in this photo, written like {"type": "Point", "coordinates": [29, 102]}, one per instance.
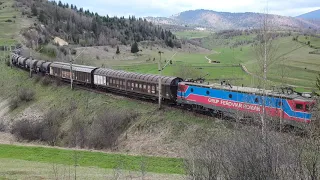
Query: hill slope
{"type": "Point", "coordinates": [79, 26]}
{"type": "Point", "coordinates": [226, 20]}
{"type": "Point", "coordinates": [311, 15]}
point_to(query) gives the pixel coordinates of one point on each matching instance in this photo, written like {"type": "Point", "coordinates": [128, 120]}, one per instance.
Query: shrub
{"type": "Point", "coordinates": [58, 82]}
{"type": "Point", "coordinates": [78, 133]}
{"type": "Point", "coordinates": [8, 63]}
{"type": "Point", "coordinates": [134, 47]}
{"type": "Point", "coordinates": [26, 95]}
{"type": "Point", "coordinates": [13, 104]}
{"type": "Point", "coordinates": [51, 124]}
{"type": "Point", "coordinates": [37, 78]}
{"type": "Point", "coordinates": [247, 155]}
{"type": "Point", "coordinates": [118, 50]}
{"type": "Point", "coordinates": [9, 20]}
{"type": "Point", "coordinates": [50, 50]}
{"type": "Point", "coordinates": [46, 81]}
{"type": "Point", "coordinates": [63, 50]}
{"type": "Point", "coordinates": [109, 124]}
{"type": "Point", "coordinates": [73, 51]}
{"type": "Point", "coordinates": [3, 127]}
{"type": "Point", "coordinates": [25, 129]}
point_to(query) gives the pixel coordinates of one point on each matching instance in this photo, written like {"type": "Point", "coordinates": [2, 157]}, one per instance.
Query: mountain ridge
{"type": "Point", "coordinates": [226, 20]}
{"type": "Point", "coordinates": [311, 15]}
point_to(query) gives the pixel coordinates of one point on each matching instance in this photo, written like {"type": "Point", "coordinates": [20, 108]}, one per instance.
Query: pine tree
{"type": "Point", "coordinates": [34, 10]}
{"type": "Point", "coordinates": [42, 17]}
{"type": "Point", "coordinates": [60, 4]}
{"type": "Point", "coordinates": [118, 50]}
{"type": "Point", "coordinates": [318, 82]}
{"type": "Point", "coordinates": [134, 48]}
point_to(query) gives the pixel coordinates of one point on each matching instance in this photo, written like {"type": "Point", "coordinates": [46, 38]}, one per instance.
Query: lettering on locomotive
{"type": "Point", "coordinates": [235, 105]}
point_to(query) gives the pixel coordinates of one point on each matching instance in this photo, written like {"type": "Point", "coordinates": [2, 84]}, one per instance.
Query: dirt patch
{"type": "Point", "coordinates": [7, 138]}
{"type": "Point", "coordinates": [4, 107]}
{"type": "Point", "coordinates": [190, 48]}
{"type": "Point", "coordinates": [153, 144]}
{"type": "Point", "coordinates": [60, 41]}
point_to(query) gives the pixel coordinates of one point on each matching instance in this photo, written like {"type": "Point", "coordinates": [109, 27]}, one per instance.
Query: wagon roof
{"type": "Point", "coordinates": [134, 76]}
{"type": "Point", "coordinates": [75, 67]}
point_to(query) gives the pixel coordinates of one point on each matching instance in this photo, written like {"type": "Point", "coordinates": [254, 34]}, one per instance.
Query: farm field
{"type": "Point", "coordinates": [294, 65]}
{"type": "Point", "coordinates": [192, 34]}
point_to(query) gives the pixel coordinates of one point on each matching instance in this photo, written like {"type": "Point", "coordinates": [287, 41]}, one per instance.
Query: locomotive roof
{"type": "Point", "coordinates": [251, 90]}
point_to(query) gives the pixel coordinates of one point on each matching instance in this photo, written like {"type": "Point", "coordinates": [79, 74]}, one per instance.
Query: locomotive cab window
{"type": "Point", "coordinates": [299, 106]}
{"type": "Point", "coordinates": [208, 92]}
{"type": "Point", "coordinates": [191, 89]}
{"type": "Point", "coordinates": [230, 96]}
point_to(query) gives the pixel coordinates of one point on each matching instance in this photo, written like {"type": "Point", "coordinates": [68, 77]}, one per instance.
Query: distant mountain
{"type": "Point", "coordinates": [225, 20]}
{"type": "Point", "coordinates": [311, 15]}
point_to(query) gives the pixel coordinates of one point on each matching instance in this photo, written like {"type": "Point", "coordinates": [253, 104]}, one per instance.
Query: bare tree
{"type": "Point", "coordinates": [266, 51]}
{"type": "Point", "coordinates": [248, 155]}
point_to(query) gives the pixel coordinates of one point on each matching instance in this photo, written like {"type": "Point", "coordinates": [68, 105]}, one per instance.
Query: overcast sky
{"type": "Point", "coordinates": [165, 8]}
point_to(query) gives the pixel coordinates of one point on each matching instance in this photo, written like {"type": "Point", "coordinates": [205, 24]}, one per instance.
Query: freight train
{"type": "Point", "coordinates": [223, 99]}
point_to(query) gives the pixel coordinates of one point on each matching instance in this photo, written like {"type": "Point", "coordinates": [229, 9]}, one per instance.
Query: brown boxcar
{"type": "Point", "coordinates": [81, 74]}
{"type": "Point", "coordinates": [146, 85]}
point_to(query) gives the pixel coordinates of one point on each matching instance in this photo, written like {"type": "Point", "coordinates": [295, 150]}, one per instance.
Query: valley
{"type": "Point", "coordinates": [49, 131]}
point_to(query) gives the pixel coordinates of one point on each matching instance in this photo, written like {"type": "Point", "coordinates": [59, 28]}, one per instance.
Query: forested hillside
{"type": "Point", "coordinates": [79, 26]}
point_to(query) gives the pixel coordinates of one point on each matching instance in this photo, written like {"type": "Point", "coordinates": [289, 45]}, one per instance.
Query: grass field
{"type": "Point", "coordinates": [92, 159]}
{"type": "Point", "coordinates": [314, 41]}
{"type": "Point", "coordinates": [21, 169]}
{"type": "Point", "coordinates": [192, 34]}
{"type": "Point", "coordinates": [294, 67]}
{"type": "Point", "coordinates": [8, 29]}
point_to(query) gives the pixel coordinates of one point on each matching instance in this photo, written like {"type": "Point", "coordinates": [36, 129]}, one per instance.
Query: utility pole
{"type": "Point", "coordinates": [70, 60]}
{"type": "Point", "coordinates": [4, 53]}
{"type": "Point", "coordinates": [160, 74]}
{"type": "Point", "coordinates": [71, 74]}
{"type": "Point", "coordinates": [10, 60]}
{"type": "Point", "coordinates": [30, 68]}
